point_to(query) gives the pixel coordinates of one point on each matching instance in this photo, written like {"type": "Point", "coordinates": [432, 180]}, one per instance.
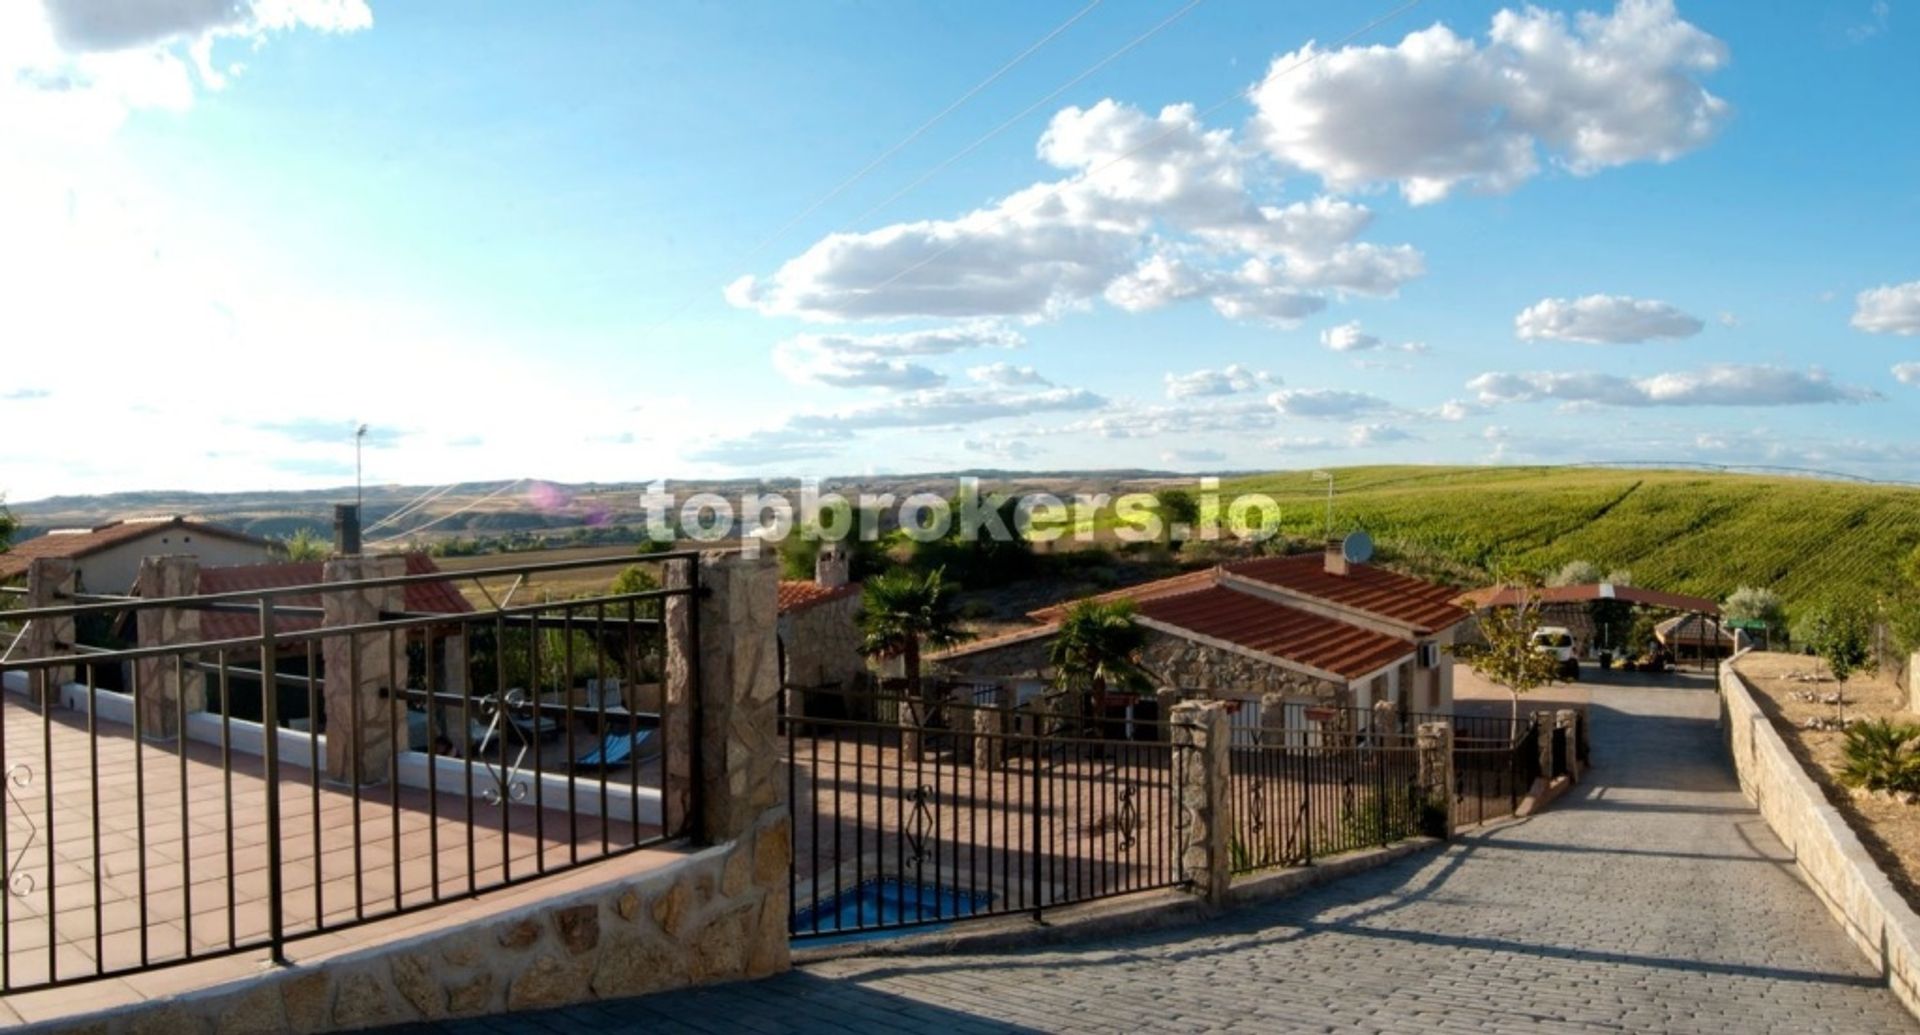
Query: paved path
{"type": "Point", "coordinates": [1653, 899]}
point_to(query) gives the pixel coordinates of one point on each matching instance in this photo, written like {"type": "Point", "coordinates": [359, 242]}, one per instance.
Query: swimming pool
{"type": "Point", "coordinates": [878, 906]}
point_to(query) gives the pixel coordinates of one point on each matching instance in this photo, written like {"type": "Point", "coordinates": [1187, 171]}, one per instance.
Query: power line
{"type": "Point", "coordinates": [502, 490]}
{"type": "Point", "coordinates": [1051, 192]}
{"type": "Point", "coordinates": [412, 505]}
{"type": "Point", "coordinates": [1028, 110]}
{"type": "Point", "coordinates": [898, 146]}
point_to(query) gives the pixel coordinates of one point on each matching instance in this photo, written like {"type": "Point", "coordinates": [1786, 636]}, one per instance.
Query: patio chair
{"type": "Point", "coordinates": [620, 747]}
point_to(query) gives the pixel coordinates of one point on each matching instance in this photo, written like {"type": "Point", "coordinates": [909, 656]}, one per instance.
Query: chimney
{"type": "Point", "coordinates": [1336, 557]}
{"type": "Point", "coordinates": [346, 529]}
{"type": "Point", "coordinates": [832, 567]}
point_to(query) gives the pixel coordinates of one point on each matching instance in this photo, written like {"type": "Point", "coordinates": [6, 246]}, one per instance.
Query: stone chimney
{"type": "Point", "coordinates": [346, 529]}
{"type": "Point", "coordinates": [832, 567]}
{"type": "Point", "coordinates": [1336, 557]}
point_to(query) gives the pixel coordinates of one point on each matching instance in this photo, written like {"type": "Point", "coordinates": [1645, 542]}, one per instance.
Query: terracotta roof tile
{"type": "Point", "coordinates": [1426, 606]}
{"type": "Point", "coordinates": [800, 594]}
{"type": "Point", "coordinates": [1259, 624]}
{"type": "Point", "coordinates": [74, 544]}
{"type": "Point", "coordinates": [422, 597]}
{"type": "Point", "coordinates": [1144, 591]}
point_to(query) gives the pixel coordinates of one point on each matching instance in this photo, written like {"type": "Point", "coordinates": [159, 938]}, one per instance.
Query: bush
{"type": "Point", "coordinates": [1882, 756]}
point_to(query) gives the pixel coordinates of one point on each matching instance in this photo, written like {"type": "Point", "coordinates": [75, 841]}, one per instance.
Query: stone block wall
{"type": "Point", "coordinates": [1826, 851]}
{"type": "Point", "coordinates": [822, 644]}
{"type": "Point", "coordinates": [720, 915]}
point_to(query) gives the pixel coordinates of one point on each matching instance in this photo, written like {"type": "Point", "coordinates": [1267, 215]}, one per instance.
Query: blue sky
{"type": "Point", "coordinates": [517, 239]}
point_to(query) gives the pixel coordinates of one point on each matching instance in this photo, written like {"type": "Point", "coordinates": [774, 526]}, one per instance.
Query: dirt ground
{"type": "Point", "coordinates": [1890, 830]}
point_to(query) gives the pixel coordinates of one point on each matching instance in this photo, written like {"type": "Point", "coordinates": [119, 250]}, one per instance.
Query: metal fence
{"type": "Point", "coordinates": [1489, 781]}
{"type": "Point", "coordinates": [140, 831]}
{"type": "Point", "coordinates": [1291, 803]}
{"type": "Point", "coordinates": [971, 823]}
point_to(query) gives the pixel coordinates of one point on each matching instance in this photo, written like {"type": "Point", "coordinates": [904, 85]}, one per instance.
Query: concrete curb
{"type": "Point", "coordinates": [1149, 910]}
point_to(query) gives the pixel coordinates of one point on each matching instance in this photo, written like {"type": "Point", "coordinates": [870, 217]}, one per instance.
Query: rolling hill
{"type": "Point", "coordinates": [1704, 533]}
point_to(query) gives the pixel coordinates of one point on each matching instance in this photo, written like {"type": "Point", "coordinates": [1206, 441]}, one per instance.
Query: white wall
{"type": "Point", "coordinates": [114, 569]}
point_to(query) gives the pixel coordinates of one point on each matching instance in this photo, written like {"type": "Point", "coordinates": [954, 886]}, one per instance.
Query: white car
{"type": "Point", "coordinates": [1558, 641]}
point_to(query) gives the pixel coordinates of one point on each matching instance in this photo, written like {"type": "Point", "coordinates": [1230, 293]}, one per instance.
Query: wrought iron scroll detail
{"type": "Point", "coordinates": [496, 707]}
{"type": "Point", "coordinates": [20, 884]}
{"type": "Point", "coordinates": [1127, 820]}
{"type": "Point", "coordinates": [1256, 808]}
{"type": "Point", "coordinates": [922, 822]}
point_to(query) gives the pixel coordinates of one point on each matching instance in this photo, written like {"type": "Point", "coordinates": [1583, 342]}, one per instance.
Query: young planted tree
{"type": "Point", "coordinates": [903, 613]}
{"type": "Point", "coordinates": [1840, 631]}
{"type": "Point", "coordinates": [1098, 649]}
{"type": "Point", "coordinates": [1508, 658]}
{"type": "Point", "coordinates": [1176, 507]}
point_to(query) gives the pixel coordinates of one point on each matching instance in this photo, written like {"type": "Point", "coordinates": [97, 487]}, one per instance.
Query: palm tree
{"type": "Point", "coordinates": [902, 613]}
{"type": "Point", "coordinates": [1098, 647]}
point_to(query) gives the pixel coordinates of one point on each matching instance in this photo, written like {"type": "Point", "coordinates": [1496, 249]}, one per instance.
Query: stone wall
{"type": "Point", "coordinates": [720, 915]}
{"type": "Point", "coordinates": [1171, 660]}
{"type": "Point", "coordinates": [1828, 854]}
{"type": "Point", "coordinates": [822, 644]}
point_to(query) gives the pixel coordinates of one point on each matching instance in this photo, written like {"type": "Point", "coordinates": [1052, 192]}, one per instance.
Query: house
{"type": "Point", "coordinates": [107, 557]}
{"type": "Point", "coordinates": [1315, 629]}
{"type": "Point", "coordinates": [819, 629]}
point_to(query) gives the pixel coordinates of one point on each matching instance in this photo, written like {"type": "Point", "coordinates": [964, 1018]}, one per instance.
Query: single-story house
{"type": "Point", "coordinates": [819, 631]}
{"type": "Point", "coordinates": [1314, 628]}
{"type": "Point", "coordinates": [107, 557]}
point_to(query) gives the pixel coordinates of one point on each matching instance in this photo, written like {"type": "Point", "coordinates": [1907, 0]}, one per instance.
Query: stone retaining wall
{"type": "Point", "coordinates": [1826, 851]}
{"type": "Point", "coordinates": [719, 915]}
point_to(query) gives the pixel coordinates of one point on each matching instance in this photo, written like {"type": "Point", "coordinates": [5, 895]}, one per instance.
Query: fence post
{"type": "Point", "coordinates": [1569, 720]}
{"type": "Point", "coordinates": [725, 663]}
{"type": "Point", "coordinates": [989, 743]}
{"type": "Point", "coordinates": [1543, 725]}
{"type": "Point", "coordinates": [168, 690]}
{"type": "Point", "coordinates": [1435, 742]}
{"type": "Point", "coordinates": [270, 753]}
{"type": "Point", "coordinates": [50, 583]}
{"type": "Point", "coordinates": [357, 751]}
{"type": "Point", "coordinates": [1201, 744]}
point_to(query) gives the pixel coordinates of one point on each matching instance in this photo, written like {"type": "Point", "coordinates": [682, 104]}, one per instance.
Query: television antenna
{"type": "Point", "coordinates": [1328, 476]}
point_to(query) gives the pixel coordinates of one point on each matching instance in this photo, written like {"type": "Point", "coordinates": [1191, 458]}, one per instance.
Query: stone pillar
{"type": "Point", "coordinates": [989, 741]}
{"type": "Point", "coordinates": [360, 719]}
{"type": "Point", "coordinates": [1164, 700]}
{"type": "Point", "coordinates": [1543, 721]}
{"type": "Point", "coordinates": [737, 770]}
{"type": "Point", "coordinates": [50, 583]}
{"type": "Point", "coordinates": [1568, 720]}
{"type": "Point", "coordinates": [165, 686]}
{"type": "Point", "coordinates": [1434, 740]}
{"type": "Point", "coordinates": [1200, 759]}
{"type": "Point", "coordinates": [1273, 720]}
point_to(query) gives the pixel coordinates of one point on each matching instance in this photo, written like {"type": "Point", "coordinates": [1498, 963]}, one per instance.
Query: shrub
{"type": "Point", "coordinates": [1882, 756]}
{"type": "Point", "coordinates": [1841, 633]}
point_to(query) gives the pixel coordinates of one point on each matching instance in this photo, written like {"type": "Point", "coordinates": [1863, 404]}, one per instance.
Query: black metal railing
{"type": "Point", "coordinates": [1289, 804]}
{"type": "Point", "coordinates": [219, 805]}
{"type": "Point", "coordinates": [1020, 817]}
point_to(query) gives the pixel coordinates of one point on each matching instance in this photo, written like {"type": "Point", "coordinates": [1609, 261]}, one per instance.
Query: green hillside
{"type": "Point", "coordinates": [1687, 531]}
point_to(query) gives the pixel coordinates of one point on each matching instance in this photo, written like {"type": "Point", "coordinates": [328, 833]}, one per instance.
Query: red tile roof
{"type": "Point", "coordinates": [1259, 624]}
{"type": "Point", "coordinates": [1144, 591]}
{"type": "Point", "coordinates": [798, 595]}
{"type": "Point", "coordinates": [1510, 596]}
{"type": "Point", "coordinates": [422, 597]}
{"type": "Point", "coordinates": [1425, 606]}
{"type": "Point", "coordinates": [72, 544]}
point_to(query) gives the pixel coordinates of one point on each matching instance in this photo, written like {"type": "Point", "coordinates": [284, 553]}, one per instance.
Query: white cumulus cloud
{"type": "Point", "coordinates": [879, 360]}
{"type": "Point", "coordinates": [1907, 373]}
{"type": "Point", "coordinates": [1324, 402]}
{"type": "Point", "coordinates": [1603, 320]}
{"type": "Point", "coordinates": [1727, 384]}
{"type": "Point", "coordinates": [1230, 380]}
{"type": "Point", "coordinates": [1889, 309]}
{"type": "Point", "coordinates": [1438, 111]}
{"type": "Point", "coordinates": [1007, 375]}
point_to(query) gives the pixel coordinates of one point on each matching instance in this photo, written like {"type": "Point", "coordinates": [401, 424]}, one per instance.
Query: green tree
{"type": "Point", "coordinates": [979, 558]}
{"type": "Point", "coordinates": [1508, 657]}
{"type": "Point", "coordinates": [304, 545]}
{"type": "Point", "coordinates": [8, 525]}
{"type": "Point", "coordinates": [1097, 648]}
{"type": "Point", "coordinates": [1575, 573]}
{"type": "Point", "coordinates": [1176, 507]}
{"type": "Point", "coordinates": [801, 551]}
{"type": "Point", "coordinates": [1756, 604]}
{"type": "Point", "coordinates": [1840, 631]}
{"type": "Point", "coordinates": [904, 612]}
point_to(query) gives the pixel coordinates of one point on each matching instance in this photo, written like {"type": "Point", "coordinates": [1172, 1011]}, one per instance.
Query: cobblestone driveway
{"type": "Point", "coordinates": [1653, 899]}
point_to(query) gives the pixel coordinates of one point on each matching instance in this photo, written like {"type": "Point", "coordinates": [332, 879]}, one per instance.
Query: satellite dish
{"type": "Point", "coordinates": [1357, 548]}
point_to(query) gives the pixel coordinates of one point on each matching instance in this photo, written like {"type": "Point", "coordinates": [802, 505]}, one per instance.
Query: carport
{"type": "Point", "coordinates": [1700, 617]}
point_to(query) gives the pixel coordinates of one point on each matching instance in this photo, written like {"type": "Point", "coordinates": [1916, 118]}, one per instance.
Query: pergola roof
{"type": "Point", "coordinates": [1513, 596]}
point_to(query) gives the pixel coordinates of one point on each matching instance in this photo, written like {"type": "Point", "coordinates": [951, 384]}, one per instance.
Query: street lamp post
{"type": "Point", "coordinates": [359, 435]}
{"type": "Point", "coordinates": [1328, 476]}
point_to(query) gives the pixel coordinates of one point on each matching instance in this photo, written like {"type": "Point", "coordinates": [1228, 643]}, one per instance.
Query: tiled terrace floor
{"type": "Point", "coordinates": [159, 857]}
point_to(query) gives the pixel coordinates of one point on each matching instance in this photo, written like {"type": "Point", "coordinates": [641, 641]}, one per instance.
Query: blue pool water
{"type": "Point", "coordinates": [888, 902]}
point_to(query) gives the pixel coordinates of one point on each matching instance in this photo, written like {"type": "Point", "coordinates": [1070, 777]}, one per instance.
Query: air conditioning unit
{"type": "Point", "coordinates": [1429, 655]}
